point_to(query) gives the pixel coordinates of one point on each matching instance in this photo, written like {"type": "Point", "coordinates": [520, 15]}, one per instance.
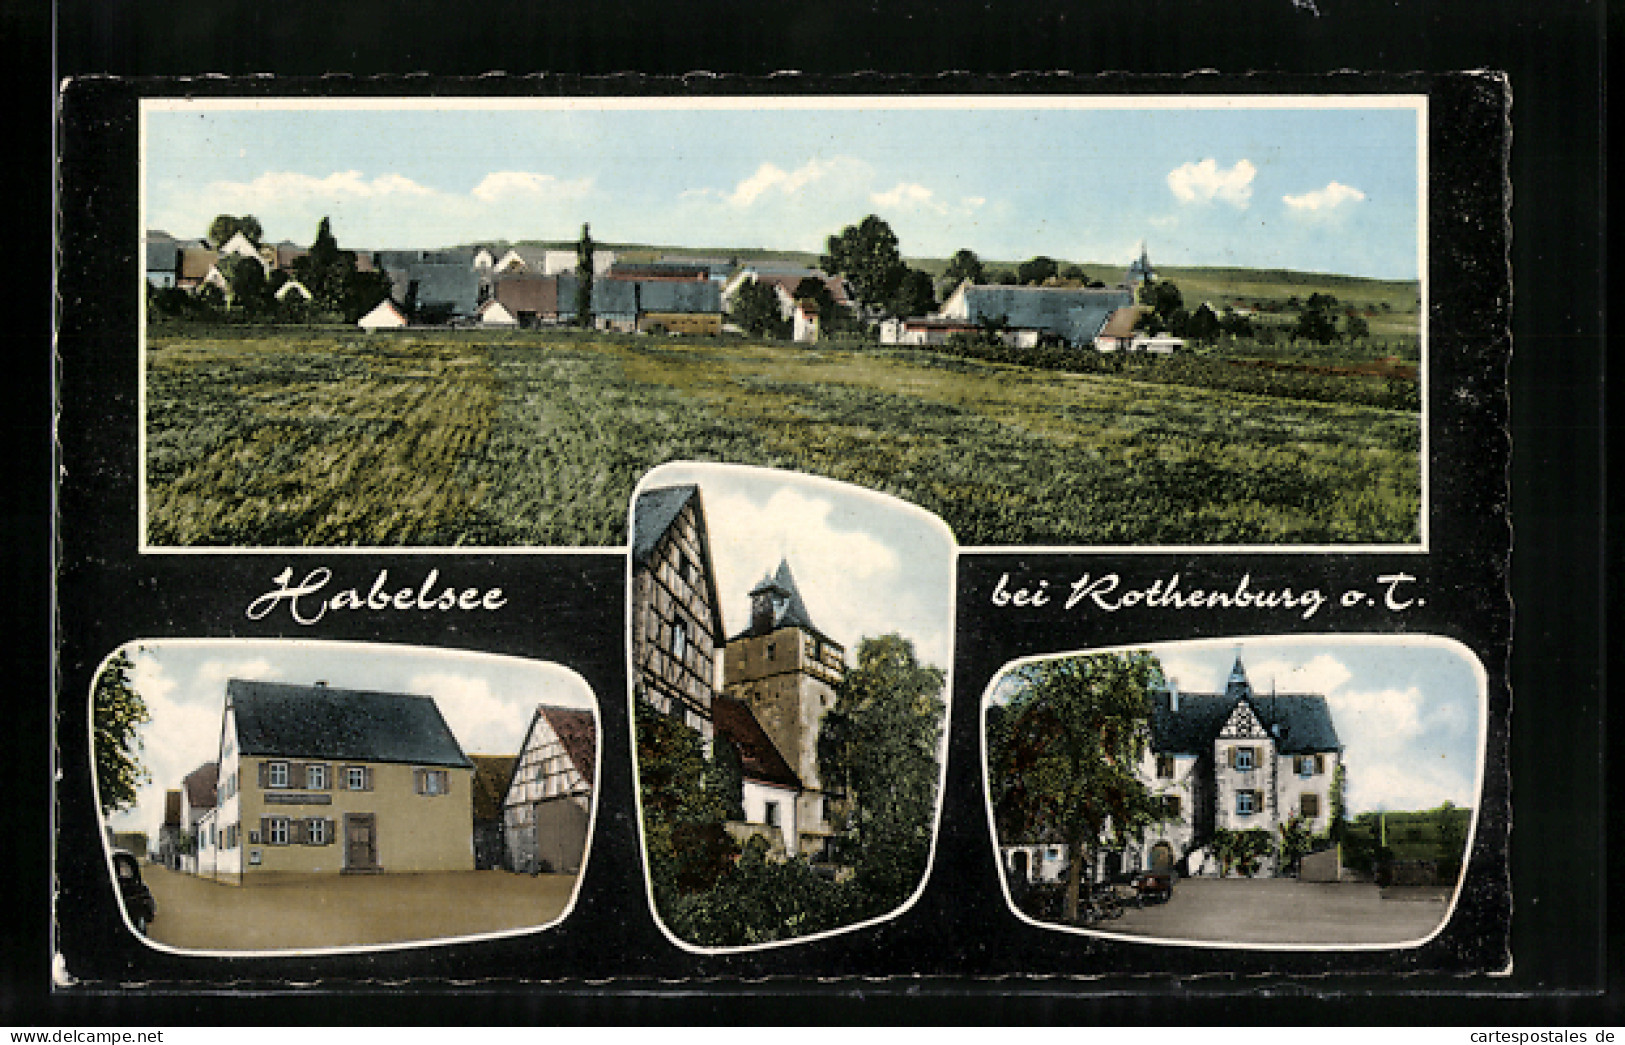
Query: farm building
{"type": "Point", "coordinates": [785, 670]}
{"type": "Point", "coordinates": [321, 780]}
{"type": "Point", "coordinates": [492, 314]}
{"type": "Point", "coordinates": [543, 261]}
{"type": "Point", "coordinates": [530, 300]}
{"type": "Point", "coordinates": [492, 774]}
{"type": "Point", "coordinates": [677, 634]}
{"type": "Point", "coordinates": [784, 283]}
{"type": "Point", "coordinates": [195, 265]}
{"type": "Point", "coordinates": [924, 330]}
{"type": "Point", "coordinates": [435, 289]}
{"type": "Point", "coordinates": [685, 306]}
{"type": "Point", "coordinates": [547, 808]}
{"type": "Point", "coordinates": [1028, 315]}
{"type": "Point", "coordinates": [770, 791]}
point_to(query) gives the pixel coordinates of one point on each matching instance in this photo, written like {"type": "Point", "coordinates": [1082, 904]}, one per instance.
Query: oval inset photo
{"type": "Point", "coordinates": [1300, 792]}
{"type": "Point", "coordinates": [790, 639]}
{"type": "Point", "coordinates": [274, 796]}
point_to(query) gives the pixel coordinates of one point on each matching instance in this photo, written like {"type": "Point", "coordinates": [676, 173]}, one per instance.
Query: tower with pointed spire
{"type": "Point", "coordinates": [1139, 270]}
{"type": "Point", "coordinates": [785, 669]}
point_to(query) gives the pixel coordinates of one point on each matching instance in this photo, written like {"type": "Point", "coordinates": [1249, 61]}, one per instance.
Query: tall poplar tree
{"type": "Point", "coordinates": [584, 251]}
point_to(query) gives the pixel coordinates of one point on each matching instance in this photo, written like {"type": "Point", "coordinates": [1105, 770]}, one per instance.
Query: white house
{"type": "Point", "coordinates": [387, 316]}
{"type": "Point", "coordinates": [493, 314]}
{"type": "Point", "coordinates": [770, 788]}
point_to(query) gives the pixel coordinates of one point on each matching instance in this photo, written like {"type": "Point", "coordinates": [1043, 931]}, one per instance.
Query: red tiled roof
{"type": "Point", "coordinates": [539, 294]}
{"type": "Point", "coordinates": [578, 733]}
{"type": "Point", "coordinates": [759, 759]}
{"type": "Point", "coordinates": [1121, 323]}
{"type": "Point", "coordinates": [200, 785]}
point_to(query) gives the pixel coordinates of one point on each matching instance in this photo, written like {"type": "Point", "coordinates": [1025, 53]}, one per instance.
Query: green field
{"type": "Point", "coordinates": [302, 436]}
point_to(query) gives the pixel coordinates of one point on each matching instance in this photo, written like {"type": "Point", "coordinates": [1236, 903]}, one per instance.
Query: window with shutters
{"type": "Point", "coordinates": [1309, 805]}
{"type": "Point", "coordinates": [276, 774]}
{"type": "Point", "coordinates": [1246, 801]}
{"type": "Point", "coordinates": [433, 781]}
{"type": "Point", "coordinates": [355, 778]}
{"type": "Point", "coordinates": [1244, 758]}
{"type": "Point", "coordinates": [316, 831]}
{"type": "Point", "coordinates": [276, 830]}
{"type": "Point", "coordinates": [316, 777]}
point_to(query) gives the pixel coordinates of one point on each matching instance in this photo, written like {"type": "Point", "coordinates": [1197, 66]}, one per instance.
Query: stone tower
{"type": "Point", "coordinates": [785, 669]}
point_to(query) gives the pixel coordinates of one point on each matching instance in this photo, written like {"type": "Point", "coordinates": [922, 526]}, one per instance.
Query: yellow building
{"type": "Point", "coordinates": [320, 780]}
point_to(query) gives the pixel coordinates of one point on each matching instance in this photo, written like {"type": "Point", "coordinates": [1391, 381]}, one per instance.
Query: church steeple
{"type": "Point", "coordinates": [1237, 686]}
{"type": "Point", "coordinates": [776, 603]}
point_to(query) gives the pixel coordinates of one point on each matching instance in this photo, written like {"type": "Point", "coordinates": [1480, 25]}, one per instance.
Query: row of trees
{"type": "Point", "coordinates": [1317, 319]}
{"type": "Point", "coordinates": [878, 750]}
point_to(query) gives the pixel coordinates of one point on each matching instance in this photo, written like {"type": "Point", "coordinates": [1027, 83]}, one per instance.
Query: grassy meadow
{"type": "Point", "coordinates": [306, 436]}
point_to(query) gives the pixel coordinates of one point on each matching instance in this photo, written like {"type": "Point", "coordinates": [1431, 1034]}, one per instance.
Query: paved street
{"type": "Point", "coordinates": [344, 910]}
{"type": "Point", "coordinates": [1286, 911]}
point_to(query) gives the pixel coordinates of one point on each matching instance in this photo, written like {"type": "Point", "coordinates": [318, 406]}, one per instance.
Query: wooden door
{"type": "Point", "coordinates": [360, 841]}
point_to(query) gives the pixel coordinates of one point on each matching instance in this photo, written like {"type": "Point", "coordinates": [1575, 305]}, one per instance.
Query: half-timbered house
{"type": "Point", "coordinates": [548, 807]}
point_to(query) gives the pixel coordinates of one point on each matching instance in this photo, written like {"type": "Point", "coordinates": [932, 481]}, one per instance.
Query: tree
{"type": "Point", "coordinates": [915, 295]}
{"type": "Point", "coordinates": [1203, 325]}
{"type": "Point", "coordinates": [1034, 271]}
{"type": "Point", "coordinates": [1074, 273]}
{"type": "Point", "coordinates": [964, 265]}
{"type": "Point", "coordinates": [1295, 843]}
{"type": "Point", "coordinates": [686, 800]}
{"type": "Point", "coordinates": [584, 271]}
{"type": "Point", "coordinates": [878, 748]}
{"type": "Point", "coordinates": [117, 713]}
{"type": "Point", "coordinates": [337, 286]}
{"type": "Point", "coordinates": [1064, 758]}
{"type": "Point", "coordinates": [248, 292]}
{"type": "Point", "coordinates": [225, 226]}
{"type": "Point", "coordinates": [867, 255]}
{"type": "Point", "coordinates": [1355, 328]}
{"type": "Point", "coordinates": [755, 310]}
{"type": "Point", "coordinates": [811, 288]}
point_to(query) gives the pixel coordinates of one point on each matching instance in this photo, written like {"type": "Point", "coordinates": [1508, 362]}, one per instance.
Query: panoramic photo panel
{"type": "Point", "coordinates": [1306, 792]}
{"type": "Point", "coordinates": [790, 639]}
{"type": "Point", "coordinates": [274, 796]}
{"type": "Point", "coordinates": [442, 322]}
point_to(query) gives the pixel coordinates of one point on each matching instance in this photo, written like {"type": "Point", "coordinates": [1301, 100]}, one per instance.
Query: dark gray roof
{"type": "Point", "coordinates": [653, 515]}
{"type": "Point", "coordinates": [327, 722]}
{"type": "Point", "coordinates": [438, 284]}
{"type": "Point", "coordinates": [788, 609]}
{"type": "Point", "coordinates": [1075, 313]}
{"type": "Point", "coordinates": [163, 255]}
{"type": "Point", "coordinates": [699, 295]}
{"type": "Point", "coordinates": [1300, 722]}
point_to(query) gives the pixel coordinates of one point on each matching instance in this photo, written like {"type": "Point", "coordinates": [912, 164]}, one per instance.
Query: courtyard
{"type": "Point", "coordinates": [300, 912]}
{"type": "Point", "coordinates": [1287, 912]}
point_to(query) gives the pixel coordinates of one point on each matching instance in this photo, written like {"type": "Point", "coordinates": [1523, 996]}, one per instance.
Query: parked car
{"type": "Point", "coordinates": [1154, 886]}
{"type": "Point", "coordinates": [138, 901]}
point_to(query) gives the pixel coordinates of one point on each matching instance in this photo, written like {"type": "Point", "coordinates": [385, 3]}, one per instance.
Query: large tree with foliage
{"type": "Point", "coordinates": [915, 295]}
{"type": "Point", "coordinates": [225, 226]}
{"type": "Point", "coordinates": [584, 273]}
{"type": "Point", "coordinates": [248, 290]}
{"type": "Point", "coordinates": [755, 309]}
{"type": "Point", "coordinates": [867, 255]}
{"type": "Point", "coordinates": [686, 796]}
{"type": "Point", "coordinates": [1317, 321]}
{"type": "Point", "coordinates": [878, 749]}
{"type": "Point", "coordinates": [337, 286]}
{"type": "Point", "coordinates": [1034, 271]}
{"type": "Point", "coordinates": [1063, 755]}
{"type": "Point", "coordinates": [117, 713]}
{"type": "Point", "coordinates": [964, 265]}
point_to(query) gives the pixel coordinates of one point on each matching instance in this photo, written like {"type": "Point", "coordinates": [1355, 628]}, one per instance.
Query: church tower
{"type": "Point", "coordinates": [785, 669]}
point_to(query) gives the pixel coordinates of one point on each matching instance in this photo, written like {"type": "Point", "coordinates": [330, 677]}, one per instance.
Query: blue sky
{"type": "Point", "coordinates": [487, 700]}
{"type": "Point", "coordinates": [1313, 188]}
{"type": "Point", "coordinates": [1408, 709]}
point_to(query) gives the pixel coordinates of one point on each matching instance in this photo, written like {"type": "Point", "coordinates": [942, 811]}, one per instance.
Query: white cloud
{"type": "Point", "coordinates": [500, 186]}
{"type": "Point", "coordinates": [481, 721]}
{"type": "Point", "coordinates": [278, 187]}
{"type": "Point", "coordinates": [1205, 181]}
{"type": "Point", "coordinates": [910, 195]}
{"type": "Point", "coordinates": [772, 179]}
{"type": "Point", "coordinates": [1334, 196]}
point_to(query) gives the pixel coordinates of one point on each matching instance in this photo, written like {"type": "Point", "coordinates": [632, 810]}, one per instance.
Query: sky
{"type": "Point", "coordinates": [1408, 709]}
{"type": "Point", "coordinates": [865, 564]}
{"type": "Point", "coordinates": [1325, 189]}
{"type": "Point", "coordinates": [487, 700]}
